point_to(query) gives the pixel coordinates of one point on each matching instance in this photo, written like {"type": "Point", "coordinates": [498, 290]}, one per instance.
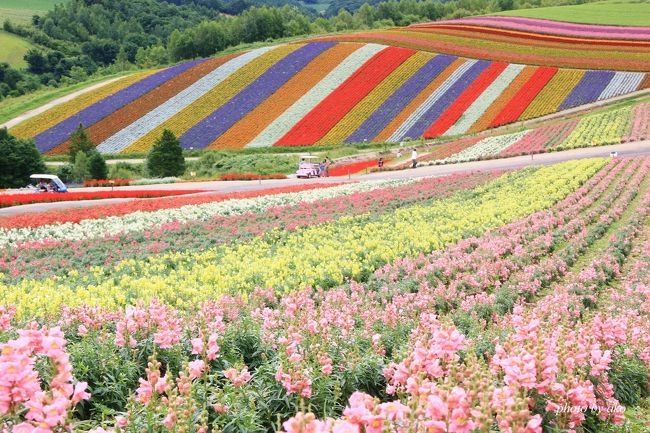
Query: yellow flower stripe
{"type": "Point", "coordinates": [549, 99]}
{"type": "Point", "coordinates": [350, 247]}
{"type": "Point", "coordinates": [599, 130]}
{"type": "Point", "coordinates": [182, 121]}
{"type": "Point", "coordinates": [41, 122]}
{"type": "Point", "coordinates": [355, 117]}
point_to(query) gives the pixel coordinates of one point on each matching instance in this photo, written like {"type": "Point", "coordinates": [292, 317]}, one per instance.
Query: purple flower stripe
{"type": "Point", "coordinates": [400, 99]}
{"type": "Point", "coordinates": [588, 89]}
{"type": "Point", "coordinates": [441, 105]}
{"type": "Point", "coordinates": [220, 120]}
{"type": "Point", "coordinates": [60, 132]}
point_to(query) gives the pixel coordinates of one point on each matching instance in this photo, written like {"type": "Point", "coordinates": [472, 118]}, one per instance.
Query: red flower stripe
{"type": "Point", "coordinates": [325, 115]}
{"type": "Point", "coordinates": [352, 168]}
{"type": "Point", "coordinates": [467, 98]}
{"type": "Point", "coordinates": [8, 200]}
{"type": "Point", "coordinates": [103, 211]}
{"type": "Point", "coordinates": [251, 176]}
{"type": "Point", "coordinates": [524, 96]}
{"type": "Point", "coordinates": [537, 36]}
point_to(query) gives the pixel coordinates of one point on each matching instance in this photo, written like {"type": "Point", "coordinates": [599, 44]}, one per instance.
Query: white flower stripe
{"type": "Point", "coordinates": [487, 147]}
{"type": "Point", "coordinates": [172, 106]}
{"type": "Point", "coordinates": [287, 120]}
{"type": "Point", "coordinates": [485, 99]}
{"type": "Point", "coordinates": [140, 221]}
{"type": "Point", "coordinates": [621, 83]}
{"type": "Point", "coordinates": [435, 95]}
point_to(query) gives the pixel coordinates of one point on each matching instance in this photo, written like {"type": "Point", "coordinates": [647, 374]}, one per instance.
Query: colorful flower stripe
{"type": "Point", "coordinates": [9, 200]}
{"type": "Point", "coordinates": [441, 67]}
{"type": "Point", "coordinates": [495, 108]}
{"type": "Point", "coordinates": [551, 27]}
{"type": "Point", "coordinates": [589, 89]}
{"type": "Point", "coordinates": [599, 129]}
{"type": "Point", "coordinates": [539, 139]}
{"type": "Point", "coordinates": [352, 168]}
{"type": "Point", "coordinates": [397, 102]}
{"type": "Point", "coordinates": [41, 219]}
{"type": "Point", "coordinates": [640, 124]}
{"type": "Point", "coordinates": [437, 88]}
{"type": "Point", "coordinates": [485, 148]}
{"type": "Point", "coordinates": [446, 150]}
{"type": "Point", "coordinates": [181, 112]}
{"type": "Point", "coordinates": [220, 120]}
{"type": "Point", "coordinates": [465, 100]}
{"type": "Point", "coordinates": [289, 118]}
{"type": "Point", "coordinates": [447, 98]}
{"type": "Point", "coordinates": [244, 131]}
{"type": "Point", "coordinates": [60, 132]}
{"type": "Point", "coordinates": [326, 114]}
{"type": "Point", "coordinates": [535, 36]}
{"type": "Point", "coordinates": [622, 83]}
{"type": "Point", "coordinates": [485, 100]}
{"type": "Point", "coordinates": [141, 221]}
{"type": "Point", "coordinates": [368, 105]}
{"type": "Point", "coordinates": [490, 47]}
{"type": "Point", "coordinates": [553, 94]}
{"type": "Point", "coordinates": [37, 124]}
{"type": "Point", "coordinates": [123, 117]}
{"type": "Point", "coordinates": [524, 96]}
{"type": "Point", "coordinates": [219, 95]}
{"type": "Point", "coordinates": [159, 115]}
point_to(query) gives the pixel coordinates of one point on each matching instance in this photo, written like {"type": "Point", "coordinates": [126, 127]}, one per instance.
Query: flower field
{"type": "Point", "coordinates": [626, 124]}
{"type": "Point", "coordinates": [450, 304]}
{"type": "Point", "coordinates": [327, 92]}
{"type": "Point", "coordinates": [523, 40]}
{"type": "Point", "coordinates": [8, 200]}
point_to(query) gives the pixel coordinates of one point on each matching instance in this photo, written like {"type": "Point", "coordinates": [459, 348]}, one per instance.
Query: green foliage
{"type": "Point", "coordinates": [79, 142]}
{"type": "Point", "coordinates": [630, 379]}
{"type": "Point", "coordinates": [20, 159]}
{"type": "Point", "coordinates": [166, 156]}
{"type": "Point", "coordinates": [65, 173]}
{"type": "Point", "coordinates": [214, 164]}
{"type": "Point", "coordinates": [80, 169]}
{"type": "Point", "coordinates": [97, 166]}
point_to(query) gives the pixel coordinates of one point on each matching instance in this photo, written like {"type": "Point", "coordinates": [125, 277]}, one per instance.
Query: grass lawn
{"type": "Point", "coordinates": [13, 107]}
{"type": "Point", "coordinates": [609, 12]}
{"type": "Point", "coordinates": [13, 49]}
{"type": "Point", "coordinates": [21, 11]}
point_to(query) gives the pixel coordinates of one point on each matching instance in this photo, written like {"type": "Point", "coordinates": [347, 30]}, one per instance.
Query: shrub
{"type": "Point", "coordinates": [166, 156]}
{"type": "Point", "coordinates": [20, 159]}
{"type": "Point", "coordinates": [79, 142]}
{"type": "Point", "coordinates": [97, 166]}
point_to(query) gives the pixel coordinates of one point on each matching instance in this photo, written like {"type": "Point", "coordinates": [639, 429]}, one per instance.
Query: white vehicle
{"type": "Point", "coordinates": [47, 183]}
{"type": "Point", "coordinates": [308, 167]}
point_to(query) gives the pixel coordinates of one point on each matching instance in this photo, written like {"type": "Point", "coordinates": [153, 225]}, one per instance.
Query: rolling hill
{"type": "Point", "coordinates": [21, 11]}
{"type": "Point", "coordinates": [329, 92]}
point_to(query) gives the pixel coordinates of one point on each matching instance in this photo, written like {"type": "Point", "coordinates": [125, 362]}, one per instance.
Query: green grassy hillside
{"type": "Point", "coordinates": [609, 12]}
{"type": "Point", "coordinates": [13, 49]}
{"type": "Point", "coordinates": [21, 11]}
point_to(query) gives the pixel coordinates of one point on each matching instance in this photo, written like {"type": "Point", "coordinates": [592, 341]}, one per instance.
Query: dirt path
{"type": "Point", "coordinates": [31, 113]}
{"type": "Point", "coordinates": [627, 149]}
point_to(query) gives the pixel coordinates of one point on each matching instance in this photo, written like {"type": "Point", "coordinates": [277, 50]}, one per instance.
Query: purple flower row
{"type": "Point", "coordinates": [441, 105]}
{"type": "Point", "coordinates": [220, 120]}
{"type": "Point", "coordinates": [60, 132]}
{"type": "Point", "coordinates": [400, 99]}
{"type": "Point", "coordinates": [588, 89]}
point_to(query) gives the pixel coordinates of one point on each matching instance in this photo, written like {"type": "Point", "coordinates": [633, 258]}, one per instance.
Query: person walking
{"type": "Point", "coordinates": [328, 161]}
{"type": "Point", "coordinates": [380, 163]}
{"type": "Point", "coordinates": [414, 157]}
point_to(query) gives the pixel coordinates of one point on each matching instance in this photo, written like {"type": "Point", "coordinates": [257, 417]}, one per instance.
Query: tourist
{"type": "Point", "coordinates": [414, 157]}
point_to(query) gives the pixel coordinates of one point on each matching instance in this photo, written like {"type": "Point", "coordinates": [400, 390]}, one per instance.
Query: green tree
{"type": "Point", "coordinates": [97, 166]}
{"type": "Point", "coordinates": [79, 142]}
{"type": "Point", "coordinates": [166, 156]}
{"type": "Point", "coordinates": [20, 159]}
{"type": "Point", "coordinates": [80, 171]}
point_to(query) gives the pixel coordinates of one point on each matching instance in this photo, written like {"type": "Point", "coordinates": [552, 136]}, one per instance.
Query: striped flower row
{"type": "Point", "coordinates": [142, 221]}
{"type": "Point", "coordinates": [323, 93]}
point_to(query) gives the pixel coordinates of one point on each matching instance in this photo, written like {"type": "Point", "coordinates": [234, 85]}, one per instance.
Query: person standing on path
{"type": "Point", "coordinates": [414, 157]}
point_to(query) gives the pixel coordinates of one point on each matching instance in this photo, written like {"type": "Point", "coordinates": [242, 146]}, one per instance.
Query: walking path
{"type": "Point", "coordinates": [626, 149]}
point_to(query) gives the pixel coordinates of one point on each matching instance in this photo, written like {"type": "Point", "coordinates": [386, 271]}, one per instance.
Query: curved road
{"type": "Point", "coordinates": [626, 149]}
